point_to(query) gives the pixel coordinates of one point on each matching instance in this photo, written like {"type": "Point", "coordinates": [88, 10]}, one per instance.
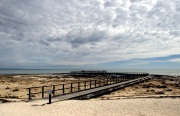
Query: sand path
{"type": "Point", "coordinates": [121, 107]}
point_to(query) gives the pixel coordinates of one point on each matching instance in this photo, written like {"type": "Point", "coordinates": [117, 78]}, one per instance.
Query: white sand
{"type": "Point", "coordinates": [121, 107]}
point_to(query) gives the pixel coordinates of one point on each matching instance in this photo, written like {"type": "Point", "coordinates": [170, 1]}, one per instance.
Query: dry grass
{"type": "Point", "coordinates": [150, 88]}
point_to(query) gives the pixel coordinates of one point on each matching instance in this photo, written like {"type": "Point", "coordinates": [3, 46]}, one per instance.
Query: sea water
{"type": "Point", "coordinates": [172, 72]}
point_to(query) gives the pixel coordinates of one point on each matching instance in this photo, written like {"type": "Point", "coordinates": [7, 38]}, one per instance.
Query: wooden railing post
{"type": "Point", "coordinates": [84, 85]}
{"type": "Point", "coordinates": [29, 93]}
{"type": "Point", "coordinates": [95, 83]}
{"type": "Point", "coordinates": [53, 90]}
{"type": "Point", "coordinates": [100, 83]}
{"type": "Point", "coordinates": [43, 92]}
{"type": "Point", "coordinates": [90, 84]}
{"type": "Point", "coordinates": [78, 86]}
{"type": "Point", "coordinates": [71, 88]}
{"type": "Point", "coordinates": [62, 88]}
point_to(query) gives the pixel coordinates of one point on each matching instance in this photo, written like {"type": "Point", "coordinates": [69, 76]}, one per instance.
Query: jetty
{"type": "Point", "coordinates": [109, 82]}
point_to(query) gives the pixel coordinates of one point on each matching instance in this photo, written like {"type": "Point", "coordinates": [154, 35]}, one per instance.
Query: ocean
{"type": "Point", "coordinates": [172, 72]}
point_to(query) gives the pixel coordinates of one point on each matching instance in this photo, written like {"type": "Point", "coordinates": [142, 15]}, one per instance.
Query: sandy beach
{"type": "Point", "coordinates": [122, 107]}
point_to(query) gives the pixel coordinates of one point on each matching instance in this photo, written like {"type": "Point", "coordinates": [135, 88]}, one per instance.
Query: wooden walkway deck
{"type": "Point", "coordinates": [98, 90]}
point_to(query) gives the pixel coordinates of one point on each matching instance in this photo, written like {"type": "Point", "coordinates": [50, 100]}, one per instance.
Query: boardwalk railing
{"type": "Point", "coordinates": [62, 89]}
{"type": "Point", "coordinates": [105, 73]}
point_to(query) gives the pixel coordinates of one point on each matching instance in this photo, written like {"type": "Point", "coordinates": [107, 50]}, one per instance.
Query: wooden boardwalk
{"type": "Point", "coordinates": [99, 90]}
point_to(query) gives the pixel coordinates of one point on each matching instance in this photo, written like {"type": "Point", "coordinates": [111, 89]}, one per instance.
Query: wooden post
{"type": "Point", "coordinates": [95, 83]}
{"type": "Point", "coordinates": [43, 92]}
{"type": "Point", "coordinates": [53, 90]}
{"type": "Point", "coordinates": [90, 84]}
{"type": "Point", "coordinates": [29, 93]}
{"type": "Point", "coordinates": [62, 88]}
{"type": "Point", "coordinates": [71, 87]}
{"type": "Point", "coordinates": [84, 85]}
{"type": "Point", "coordinates": [78, 86]}
{"type": "Point", "coordinates": [107, 81]}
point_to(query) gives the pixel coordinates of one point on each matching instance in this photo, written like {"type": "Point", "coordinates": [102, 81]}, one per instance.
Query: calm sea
{"type": "Point", "coordinates": [173, 72]}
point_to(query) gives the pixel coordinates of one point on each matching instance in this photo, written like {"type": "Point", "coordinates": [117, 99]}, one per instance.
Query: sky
{"type": "Point", "coordinates": [97, 34]}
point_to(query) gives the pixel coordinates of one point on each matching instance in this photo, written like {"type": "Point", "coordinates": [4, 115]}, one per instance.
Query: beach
{"type": "Point", "coordinates": [122, 107]}
{"type": "Point", "coordinates": [155, 97]}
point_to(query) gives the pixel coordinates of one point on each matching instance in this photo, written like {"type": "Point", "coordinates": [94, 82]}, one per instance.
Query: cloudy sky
{"type": "Point", "coordinates": [90, 34]}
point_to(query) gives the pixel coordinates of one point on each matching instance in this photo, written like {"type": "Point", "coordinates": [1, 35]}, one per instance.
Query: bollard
{"type": "Point", "coordinates": [49, 98]}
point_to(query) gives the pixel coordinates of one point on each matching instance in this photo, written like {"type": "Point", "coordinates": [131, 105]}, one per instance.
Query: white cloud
{"type": "Point", "coordinates": [79, 32]}
{"type": "Point", "coordinates": [175, 60]}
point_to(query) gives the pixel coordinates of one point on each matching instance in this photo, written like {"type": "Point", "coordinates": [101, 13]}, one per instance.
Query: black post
{"type": "Point", "coordinates": [43, 92]}
{"type": "Point", "coordinates": [71, 87]}
{"type": "Point", "coordinates": [49, 98]}
{"type": "Point", "coordinates": [29, 93]}
{"type": "Point", "coordinates": [62, 88]}
{"type": "Point", "coordinates": [53, 90]}
{"type": "Point", "coordinates": [107, 81]}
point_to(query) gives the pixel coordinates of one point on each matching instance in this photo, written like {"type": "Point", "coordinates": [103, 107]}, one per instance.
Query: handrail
{"type": "Point", "coordinates": [78, 86]}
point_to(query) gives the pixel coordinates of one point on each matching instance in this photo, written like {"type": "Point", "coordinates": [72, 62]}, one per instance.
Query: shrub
{"type": "Point", "coordinates": [161, 86]}
{"type": "Point", "coordinates": [15, 90]}
{"type": "Point", "coordinates": [169, 90]}
{"type": "Point", "coordinates": [160, 92]}
{"type": "Point", "coordinates": [7, 87]}
{"type": "Point", "coordinates": [4, 100]}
